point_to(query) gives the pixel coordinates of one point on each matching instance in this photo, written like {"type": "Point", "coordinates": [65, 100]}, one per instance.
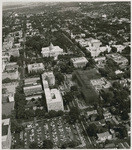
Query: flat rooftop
{"type": "Point", "coordinates": [4, 129]}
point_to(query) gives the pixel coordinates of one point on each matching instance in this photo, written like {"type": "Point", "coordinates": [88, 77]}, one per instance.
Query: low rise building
{"type": "Point", "coordinates": [31, 80]}
{"type": "Point", "coordinates": [101, 83]}
{"type": "Point", "coordinates": [119, 47]}
{"type": "Point", "coordinates": [118, 72]}
{"type": "Point", "coordinates": [32, 89]}
{"type": "Point", "coordinates": [5, 59]}
{"type": "Point", "coordinates": [35, 67]}
{"type": "Point", "coordinates": [12, 74]}
{"type": "Point", "coordinates": [120, 60]}
{"type": "Point", "coordinates": [9, 88]}
{"type": "Point", "coordinates": [35, 96]}
{"type": "Point", "coordinates": [11, 66]}
{"type": "Point", "coordinates": [91, 112]}
{"type": "Point", "coordinates": [6, 134]}
{"type": "Point", "coordinates": [14, 52]}
{"type": "Point", "coordinates": [95, 43]}
{"type": "Point", "coordinates": [82, 42]}
{"type": "Point", "coordinates": [107, 115]}
{"type": "Point", "coordinates": [49, 76]}
{"type": "Point", "coordinates": [102, 137]}
{"type": "Point", "coordinates": [79, 62]}
{"type": "Point", "coordinates": [95, 51]}
{"type": "Point", "coordinates": [100, 61]}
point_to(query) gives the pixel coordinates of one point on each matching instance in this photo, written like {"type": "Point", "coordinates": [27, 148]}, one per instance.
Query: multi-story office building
{"type": "Point", "coordinates": [53, 99]}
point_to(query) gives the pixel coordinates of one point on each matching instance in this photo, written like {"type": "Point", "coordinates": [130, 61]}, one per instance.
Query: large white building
{"type": "Point", "coordinates": [35, 67]}
{"type": "Point", "coordinates": [95, 51]}
{"type": "Point", "coordinates": [53, 99]}
{"type": "Point", "coordinates": [79, 62]}
{"type": "Point", "coordinates": [49, 76]}
{"type": "Point", "coordinates": [6, 134]}
{"type": "Point", "coordinates": [51, 51]}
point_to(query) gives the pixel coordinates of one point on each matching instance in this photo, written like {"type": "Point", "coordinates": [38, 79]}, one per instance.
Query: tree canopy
{"type": "Point", "coordinates": [47, 144]}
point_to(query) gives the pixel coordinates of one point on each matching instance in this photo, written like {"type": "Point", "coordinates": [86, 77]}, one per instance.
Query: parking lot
{"type": "Point", "coordinates": [57, 130]}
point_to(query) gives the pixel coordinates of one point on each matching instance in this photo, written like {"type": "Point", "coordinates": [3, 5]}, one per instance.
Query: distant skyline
{"type": "Point", "coordinates": [10, 1]}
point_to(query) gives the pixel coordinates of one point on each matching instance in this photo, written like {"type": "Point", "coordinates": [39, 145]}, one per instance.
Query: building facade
{"type": "Point", "coordinates": [35, 67]}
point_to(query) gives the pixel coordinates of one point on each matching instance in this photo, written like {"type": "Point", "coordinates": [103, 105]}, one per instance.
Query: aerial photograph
{"type": "Point", "coordinates": [66, 75]}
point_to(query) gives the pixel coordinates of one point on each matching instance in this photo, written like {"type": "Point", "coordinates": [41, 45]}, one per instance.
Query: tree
{"type": "Point", "coordinates": [91, 63]}
{"type": "Point", "coordinates": [20, 102]}
{"type": "Point", "coordinates": [107, 96]}
{"type": "Point", "coordinates": [68, 97]}
{"type": "Point", "coordinates": [74, 114]}
{"type": "Point", "coordinates": [114, 49]}
{"type": "Point", "coordinates": [15, 126]}
{"type": "Point", "coordinates": [47, 144]}
{"type": "Point", "coordinates": [126, 50]}
{"type": "Point", "coordinates": [52, 113]}
{"type": "Point", "coordinates": [29, 113]}
{"type": "Point", "coordinates": [39, 112]}
{"type": "Point", "coordinates": [122, 131]}
{"type": "Point", "coordinates": [6, 80]}
{"type": "Point", "coordinates": [71, 144]}
{"type": "Point", "coordinates": [117, 85]}
{"type": "Point", "coordinates": [92, 130]}
{"type": "Point", "coordinates": [111, 64]}
{"type": "Point", "coordinates": [74, 88]}
{"type": "Point", "coordinates": [13, 59]}
{"type": "Point", "coordinates": [104, 72]}
{"type": "Point", "coordinates": [124, 94]}
{"type": "Point", "coordinates": [59, 77]}
{"type": "Point", "coordinates": [54, 63]}
{"type": "Point", "coordinates": [4, 116]}
{"type": "Point", "coordinates": [33, 145]}
{"type": "Point", "coordinates": [124, 115]}
{"type": "Point", "coordinates": [60, 113]}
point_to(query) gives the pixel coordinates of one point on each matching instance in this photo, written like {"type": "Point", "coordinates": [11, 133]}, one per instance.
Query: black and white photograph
{"type": "Point", "coordinates": [66, 74]}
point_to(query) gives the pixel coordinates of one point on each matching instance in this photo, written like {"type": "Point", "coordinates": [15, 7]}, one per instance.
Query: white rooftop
{"type": "Point", "coordinates": [6, 121]}
{"type": "Point", "coordinates": [52, 95]}
{"type": "Point", "coordinates": [79, 59]}
{"type": "Point", "coordinates": [102, 135]}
